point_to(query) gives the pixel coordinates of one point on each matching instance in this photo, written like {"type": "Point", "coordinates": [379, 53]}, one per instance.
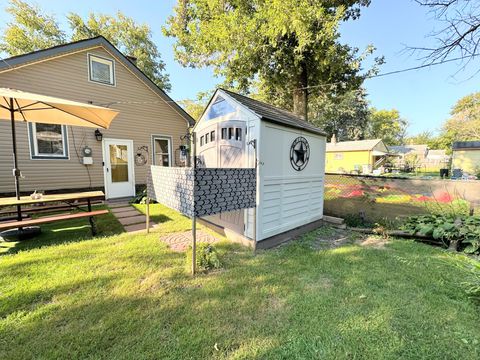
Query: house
{"type": "Point", "coordinates": [53, 157]}
{"type": "Point", "coordinates": [239, 132]}
{"type": "Point", "coordinates": [466, 156]}
{"type": "Point", "coordinates": [423, 157]}
{"type": "Point", "coordinates": [361, 156]}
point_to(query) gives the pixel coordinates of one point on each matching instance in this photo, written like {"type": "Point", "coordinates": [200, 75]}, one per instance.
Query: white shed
{"type": "Point", "coordinates": [291, 166]}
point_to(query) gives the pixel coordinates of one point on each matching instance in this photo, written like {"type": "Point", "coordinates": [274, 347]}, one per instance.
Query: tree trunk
{"type": "Point", "coordinates": [300, 93]}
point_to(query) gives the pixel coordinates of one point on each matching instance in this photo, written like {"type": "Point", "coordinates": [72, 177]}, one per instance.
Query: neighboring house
{"type": "Point", "coordinates": [290, 158]}
{"type": "Point", "coordinates": [361, 156]}
{"type": "Point", "coordinates": [466, 156]}
{"type": "Point", "coordinates": [425, 158]}
{"type": "Point", "coordinates": [51, 157]}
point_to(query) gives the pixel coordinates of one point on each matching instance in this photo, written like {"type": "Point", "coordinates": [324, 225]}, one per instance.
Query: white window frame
{"type": "Point", "coordinates": [103, 60]}
{"type": "Point", "coordinates": [33, 145]}
{"type": "Point", "coordinates": [162, 137]}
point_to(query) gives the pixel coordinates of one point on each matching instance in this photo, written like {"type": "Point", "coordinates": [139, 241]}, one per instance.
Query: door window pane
{"type": "Point", "coordinates": [238, 134]}
{"type": "Point", "coordinates": [224, 133]}
{"type": "Point", "coordinates": [212, 135]}
{"type": "Point", "coordinates": [119, 163]}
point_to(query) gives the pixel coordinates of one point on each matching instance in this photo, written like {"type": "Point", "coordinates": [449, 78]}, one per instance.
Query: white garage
{"type": "Point", "coordinates": [290, 161]}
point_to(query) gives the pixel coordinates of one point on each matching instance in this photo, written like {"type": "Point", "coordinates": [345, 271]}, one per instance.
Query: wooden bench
{"type": "Point", "coordinates": [50, 219]}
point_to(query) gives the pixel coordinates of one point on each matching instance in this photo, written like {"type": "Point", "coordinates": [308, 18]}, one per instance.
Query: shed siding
{"type": "Point", "coordinates": [142, 114]}
{"type": "Point", "coordinates": [467, 160]}
{"type": "Point", "coordinates": [288, 198]}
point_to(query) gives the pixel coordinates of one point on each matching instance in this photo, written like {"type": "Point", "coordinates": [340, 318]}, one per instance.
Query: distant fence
{"type": "Point", "coordinates": [378, 197]}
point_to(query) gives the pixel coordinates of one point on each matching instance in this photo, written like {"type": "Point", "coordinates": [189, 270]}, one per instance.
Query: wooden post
{"type": "Point", "coordinates": [194, 244]}
{"type": "Point", "coordinates": [194, 218]}
{"type": "Point", "coordinates": [148, 215]}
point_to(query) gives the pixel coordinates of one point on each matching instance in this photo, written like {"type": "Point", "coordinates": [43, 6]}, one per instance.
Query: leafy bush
{"type": "Point", "coordinates": [473, 281]}
{"type": "Point", "coordinates": [140, 197]}
{"type": "Point", "coordinates": [447, 228]}
{"type": "Point", "coordinates": [207, 257]}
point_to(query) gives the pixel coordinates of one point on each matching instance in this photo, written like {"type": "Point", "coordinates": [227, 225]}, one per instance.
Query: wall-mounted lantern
{"type": "Point", "coordinates": [98, 135]}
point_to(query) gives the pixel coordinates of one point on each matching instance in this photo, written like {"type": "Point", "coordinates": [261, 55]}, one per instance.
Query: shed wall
{"type": "Point", "coordinates": [288, 198]}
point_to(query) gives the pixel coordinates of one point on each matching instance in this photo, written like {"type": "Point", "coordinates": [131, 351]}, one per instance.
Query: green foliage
{"type": "Point", "coordinates": [387, 125]}
{"type": "Point", "coordinates": [446, 228]}
{"type": "Point", "coordinates": [278, 46]}
{"type": "Point", "coordinates": [33, 30]}
{"type": "Point", "coordinates": [206, 257]}
{"type": "Point", "coordinates": [345, 115]}
{"type": "Point", "coordinates": [30, 30]}
{"type": "Point", "coordinates": [472, 282]}
{"type": "Point", "coordinates": [140, 197]}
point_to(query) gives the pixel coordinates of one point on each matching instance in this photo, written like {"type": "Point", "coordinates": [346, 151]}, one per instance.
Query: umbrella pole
{"type": "Point", "coordinates": [16, 172]}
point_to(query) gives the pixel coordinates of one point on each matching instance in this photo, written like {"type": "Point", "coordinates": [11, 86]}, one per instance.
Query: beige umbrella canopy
{"type": "Point", "coordinates": [18, 105]}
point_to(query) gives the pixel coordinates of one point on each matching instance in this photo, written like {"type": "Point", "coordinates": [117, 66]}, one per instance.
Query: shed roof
{"type": "Point", "coordinates": [357, 145]}
{"type": "Point", "coordinates": [274, 114]}
{"type": "Point", "coordinates": [39, 55]}
{"type": "Point", "coordinates": [466, 145]}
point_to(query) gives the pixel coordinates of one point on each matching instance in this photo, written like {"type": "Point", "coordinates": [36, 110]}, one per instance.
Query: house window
{"type": "Point", "coordinates": [212, 135]}
{"type": "Point", "coordinates": [224, 133]}
{"type": "Point", "coordinates": [161, 151]}
{"type": "Point", "coordinates": [101, 70]}
{"type": "Point", "coordinates": [48, 141]}
{"type": "Point", "coordinates": [238, 134]}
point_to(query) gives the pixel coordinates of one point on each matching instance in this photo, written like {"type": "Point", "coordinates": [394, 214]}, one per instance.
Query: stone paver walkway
{"type": "Point", "coordinates": [182, 240]}
{"type": "Point", "coordinates": [131, 219]}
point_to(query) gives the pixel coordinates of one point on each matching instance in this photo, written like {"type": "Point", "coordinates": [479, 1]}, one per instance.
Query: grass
{"type": "Point", "coordinates": [127, 296]}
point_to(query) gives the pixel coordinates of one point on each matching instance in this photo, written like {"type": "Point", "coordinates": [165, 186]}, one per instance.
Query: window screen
{"type": "Point", "coordinates": [101, 70]}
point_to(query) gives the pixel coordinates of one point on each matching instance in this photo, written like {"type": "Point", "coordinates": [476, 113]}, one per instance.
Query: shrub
{"type": "Point", "coordinates": [473, 281]}
{"type": "Point", "coordinates": [207, 257]}
{"type": "Point", "coordinates": [446, 228]}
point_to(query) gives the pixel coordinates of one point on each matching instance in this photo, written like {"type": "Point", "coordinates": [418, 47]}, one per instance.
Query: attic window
{"type": "Point", "coordinates": [220, 107]}
{"type": "Point", "coordinates": [101, 70]}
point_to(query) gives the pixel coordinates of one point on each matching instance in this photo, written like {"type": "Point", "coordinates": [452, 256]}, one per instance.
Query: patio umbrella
{"type": "Point", "coordinates": [18, 105]}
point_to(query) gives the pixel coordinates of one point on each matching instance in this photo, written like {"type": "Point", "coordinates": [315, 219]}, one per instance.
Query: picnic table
{"type": "Point", "coordinates": [70, 201]}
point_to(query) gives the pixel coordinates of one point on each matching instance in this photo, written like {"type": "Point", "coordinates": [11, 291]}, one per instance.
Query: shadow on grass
{"type": "Point", "coordinates": [65, 232]}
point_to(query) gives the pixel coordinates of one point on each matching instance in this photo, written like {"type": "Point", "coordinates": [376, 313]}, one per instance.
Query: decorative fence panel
{"type": "Point", "coordinates": [378, 197]}
{"type": "Point", "coordinates": [202, 192]}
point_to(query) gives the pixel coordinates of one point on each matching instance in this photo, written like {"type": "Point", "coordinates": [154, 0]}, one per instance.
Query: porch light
{"type": "Point", "coordinates": [98, 135]}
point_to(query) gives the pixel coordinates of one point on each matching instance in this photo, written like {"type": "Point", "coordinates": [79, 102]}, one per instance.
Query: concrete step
{"type": "Point", "coordinates": [127, 214]}
{"type": "Point", "coordinates": [138, 219]}
{"type": "Point", "coordinates": [137, 227]}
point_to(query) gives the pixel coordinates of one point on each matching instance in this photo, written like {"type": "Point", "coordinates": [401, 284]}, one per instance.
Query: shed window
{"type": "Point", "coordinates": [161, 151]}
{"type": "Point", "coordinates": [207, 138]}
{"type": "Point", "coordinates": [101, 70]}
{"type": "Point", "coordinates": [212, 135]}
{"type": "Point", "coordinates": [224, 133]}
{"type": "Point", "coordinates": [48, 141]}
{"type": "Point", "coordinates": [219, 108]}
{"type": "Point", "coordinates": [238, 134]}
{"type": "Point", "coordinates": [230, 133]}
{"type": "Point", "coordinates": [202, 139]}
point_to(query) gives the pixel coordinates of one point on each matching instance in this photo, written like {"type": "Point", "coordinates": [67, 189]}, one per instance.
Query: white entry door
{"type": "Point", "coordinates": [118, 168]}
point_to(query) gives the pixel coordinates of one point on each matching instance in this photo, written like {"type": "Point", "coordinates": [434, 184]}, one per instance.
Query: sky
{"type": "Point", "coordinates": [424, 97]}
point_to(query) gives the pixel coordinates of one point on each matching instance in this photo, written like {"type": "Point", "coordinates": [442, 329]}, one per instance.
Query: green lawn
{"type": "Point", "coordinates": [127, 296]}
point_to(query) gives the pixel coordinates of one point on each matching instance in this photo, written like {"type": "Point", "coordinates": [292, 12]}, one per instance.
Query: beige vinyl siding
{"type": "Point", "coordinates": [144, 115]}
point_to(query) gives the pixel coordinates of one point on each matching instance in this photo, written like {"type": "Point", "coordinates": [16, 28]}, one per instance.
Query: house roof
{"type": "Point", "coordinates": [466, 145]}
{"type": "Point", "coordinates": [357, 145]}
{"type": "Point", "coordinates": [406, 149]}
{"type": "Point", "coordinates": [55, 51]}
{"type": "Point", "coordinates": [273, 114]}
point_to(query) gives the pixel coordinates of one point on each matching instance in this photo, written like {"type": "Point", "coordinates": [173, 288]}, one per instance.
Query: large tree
{"type": "Point", "coordinates": [344, 115]}
{"type": "Point", "coordinates": [31, 29]}
{"type": "Point", "coordinates": [464, 122]}
{"type": "Point", "coordinates": [387, 125]}
{"type": "Point", "coordinates": [459, 34]}
{"type": "Point", "coordinates": [290, 48]}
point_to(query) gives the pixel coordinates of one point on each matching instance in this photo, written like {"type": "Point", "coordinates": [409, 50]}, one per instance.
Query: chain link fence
{"type": "Point", "coordinates": [378, 198]}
